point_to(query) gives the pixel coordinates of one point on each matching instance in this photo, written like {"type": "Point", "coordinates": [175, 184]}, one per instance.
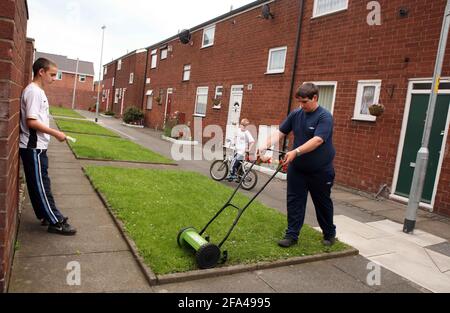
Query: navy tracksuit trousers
{"type": "Point", "coordinates": [318, 184]}
{"type": "Point", "coordinates": [35, 165]}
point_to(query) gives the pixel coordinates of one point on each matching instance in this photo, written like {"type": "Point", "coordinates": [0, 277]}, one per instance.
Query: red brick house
{"type": "Point", "coordinates": [124, 81]}
{"type": "Point", "coordinates": [16, 53]}
{"type": "Point", "coordinates": [357, 54]}
{"type": "Point", "coordinates": [60, 93]}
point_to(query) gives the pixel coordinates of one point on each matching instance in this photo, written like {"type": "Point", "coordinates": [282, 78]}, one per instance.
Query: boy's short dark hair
{"type": "Point", "coordinates": [307, 90]}
{"type": "Point", "coordinates": [42, 63]}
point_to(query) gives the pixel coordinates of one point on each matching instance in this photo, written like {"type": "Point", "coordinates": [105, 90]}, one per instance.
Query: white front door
{"type": "Point", "coordinates": [234, 112]}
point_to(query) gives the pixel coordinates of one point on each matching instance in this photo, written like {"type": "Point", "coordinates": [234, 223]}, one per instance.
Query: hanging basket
{"type": "Point", "coordinates": [376, 109]}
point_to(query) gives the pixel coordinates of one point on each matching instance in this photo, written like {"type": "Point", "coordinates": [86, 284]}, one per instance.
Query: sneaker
{"type": "Point", "coordinates": [328, 241]}
{"type": "Point", "coordinates": [287, 242]}
{"type": "Point", "coordinates": [62, 228]}
{"type": "Point", "coordinates": [230, 178]}
{"type": "Point", "coordinates": [44, 222]}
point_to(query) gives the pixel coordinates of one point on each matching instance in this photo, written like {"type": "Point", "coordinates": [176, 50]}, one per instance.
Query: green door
{"type": "Point", "coordinates": [413, 141]}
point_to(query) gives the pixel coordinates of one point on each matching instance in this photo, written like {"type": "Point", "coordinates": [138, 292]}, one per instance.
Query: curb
{"type": "Point", "coordinates": [132, 126]}
{"type": "Point", "coordinates": [149, 275]}
{"type": "Point", "coordinates": [179, 142]}
{"type": "Point", "coordinates": [154, 279]}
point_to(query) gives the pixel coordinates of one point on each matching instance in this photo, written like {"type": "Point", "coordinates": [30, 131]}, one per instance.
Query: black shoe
{"type": "Point", "coordinates": [287, 242]}
{"type": "Point", "coordinates": [44, 222]}
{"type": "Point", "coordinates": [62, 228]}
{"type": "Point", "coordinates": [328, 241]}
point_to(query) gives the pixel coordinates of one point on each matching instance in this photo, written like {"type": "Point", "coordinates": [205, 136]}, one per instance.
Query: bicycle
{"type": "Point", "coordinates": [220, 168]}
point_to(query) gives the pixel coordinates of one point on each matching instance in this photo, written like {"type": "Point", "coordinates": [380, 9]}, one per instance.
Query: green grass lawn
{"type": "Point", "coordinates": [57, 111]}
{"type": "Point", "coordinates": [109, 148]}
{"type": "Point", "coordinates": [84, 127]}
{"type": "Point", "coordinates": [155, 204]}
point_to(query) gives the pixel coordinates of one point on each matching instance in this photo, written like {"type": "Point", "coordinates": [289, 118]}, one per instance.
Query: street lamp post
{"type": "Point", "coordinates": [422, 156]}
{"type": "Point", "coordinates": [99, 76]}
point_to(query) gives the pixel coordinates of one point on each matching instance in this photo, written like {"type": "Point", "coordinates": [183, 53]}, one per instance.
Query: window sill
{"type": "Point", "coordinates": [364, 119]}
{"type": "Point", "coordinates": [199, 115]}
{"type": "Point", "coordinates": [274, 73]}
{"type": "Point", "coordinates": [217, 107]}
{"type": "Point", "coordinates": [208, 46]}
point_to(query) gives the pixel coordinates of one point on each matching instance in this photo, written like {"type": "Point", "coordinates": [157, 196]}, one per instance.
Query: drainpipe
{"type": "Point", "coordinates": [145, 82]}
{"type": "Point", "coordinates": [294, 66]}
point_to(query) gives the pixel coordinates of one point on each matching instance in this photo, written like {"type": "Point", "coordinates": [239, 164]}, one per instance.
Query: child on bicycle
{"type": "Point", "coordinates": [243, 141]}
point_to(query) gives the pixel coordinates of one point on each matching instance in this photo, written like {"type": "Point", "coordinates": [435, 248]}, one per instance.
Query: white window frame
{"type": "Point", "coordinates": [154, 58]}
{"type": "Point", "coordinates": [357, 116]}
{"type": "Point", "coordinates": [187, 71]}
{"type": "Point", "coordinates": [131, 78]}
{"type": "Point", "coordinates": [82, 78]}
{"type": "Point", "coordinates": [105, 70]}
{"type": "Point", "coordinates": [212, 27]}
{"type": "Point", "coordinates": [315, 14]}
{"type": "Point", "coordinates": [119, 65]}
{"type": "Point", "coordinates": [149, 95]}
{"type": "Point", "coordinates": [218, 94]}
{"type": "Point", "coordinates": [164, 53]}
{"type": "Point", "coordinates": [205, 92]}
{"type": "Point", "coordinates": [328, 83]}
{"type": "Point", "coordinates": [59, 75]}
{"type": "Point", "coordinates": [277, 71]}
{"type": "Point", "coordinates": [113, 81]}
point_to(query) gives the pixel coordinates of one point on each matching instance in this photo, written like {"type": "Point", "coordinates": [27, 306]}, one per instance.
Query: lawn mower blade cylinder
{"type": "Point", "coordinates": [207, 254]}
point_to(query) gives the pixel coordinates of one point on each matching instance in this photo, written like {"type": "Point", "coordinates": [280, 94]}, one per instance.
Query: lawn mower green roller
{"type": "Point", "coordinates": [208, 254]}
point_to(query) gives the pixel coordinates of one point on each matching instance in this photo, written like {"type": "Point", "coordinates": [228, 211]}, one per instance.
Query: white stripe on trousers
{"type": "Point", "coordinates": [49, 208]}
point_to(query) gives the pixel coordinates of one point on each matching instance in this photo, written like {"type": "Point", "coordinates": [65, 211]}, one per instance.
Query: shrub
{"type": "Point", "coordinates": [133, 115]}
{"type": "Point", "coordinates": [109, 113]}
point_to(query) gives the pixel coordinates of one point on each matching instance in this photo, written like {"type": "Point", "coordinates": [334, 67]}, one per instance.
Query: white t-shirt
{"type": "Point", "coordinates": [242, 140]}
{"type": "Point", "coordinates": [34, 105]}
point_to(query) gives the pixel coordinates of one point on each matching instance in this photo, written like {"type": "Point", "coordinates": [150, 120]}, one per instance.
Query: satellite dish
{"type": "Point", "coordinates": [185, 36]}
{"type": "Point", "coordinates": [266, 14]}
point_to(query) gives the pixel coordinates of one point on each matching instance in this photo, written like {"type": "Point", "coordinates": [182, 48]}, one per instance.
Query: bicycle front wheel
{"type": "Point", "coordinates": [250, 181]}
{"type": "Point", "coordinates": [218, 170]}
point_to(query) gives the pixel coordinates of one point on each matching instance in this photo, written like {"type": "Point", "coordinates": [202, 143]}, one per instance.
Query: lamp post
{"type": "Point", "coordinates": [99, 76]}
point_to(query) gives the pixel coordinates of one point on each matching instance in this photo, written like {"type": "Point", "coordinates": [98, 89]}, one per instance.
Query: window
{"type": "Point", "coordinates": [59, 76]}
{"type": "Point", "coordinates": [324, 7]}
{"type": "Point", "coordinates": [149, 95]}
{"type": "Point", "coordinates": [187, 72]}
{"type": "Point", "coordinates": [163, 53]}
{"type": "Point", "coordinates": [327, 94]}
{"type": "Point", "coordinates": [82, 78]}
{"type": "Point", "coordinates": [116, 96]}
{"type": "Point", "coordinates": [201, 101]}
{"type": "Point", "coordinates": [368, 93]}
{"type": "Point", "coordinates": [119, 65]}
{"type": "Point", "coordinates": [277, 60]}
{"type": "Point", "coordinates": [131, 78]}
{"type": "Point", "coordinates": [218, 97]}
{"type": "Point", "coordinates": [105, 71]}
{"type": "Point", "coordinates": [113, 81]}
{"type": "Point", "coordinates": [154, 58]}
{"type": "Point", "coordinates": [208, 36]}
{"type": "Point", "coordinates": [147, 81]}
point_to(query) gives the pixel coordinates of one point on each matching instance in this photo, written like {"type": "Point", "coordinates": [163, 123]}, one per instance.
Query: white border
{"type": "Point", "coordinates": [402, 142]}
{"type": "Point", "coordinates": [196, 101]}
{"type": "Point", "coordinates": [315, 15]}
{"type": "Point", "coordinates": [329, 83]}
{"type": "Point", "coordinates": [269, 71]}
{"type": "Point", "coordinates": [357, 116]}
{"type": "Point", "coordinates": [203, 37]}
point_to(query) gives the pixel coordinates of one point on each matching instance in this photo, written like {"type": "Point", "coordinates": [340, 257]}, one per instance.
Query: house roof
{"type": "Point", "coordinates": [68, 65]}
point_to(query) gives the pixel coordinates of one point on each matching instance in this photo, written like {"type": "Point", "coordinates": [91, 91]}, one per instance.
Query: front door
{"type": "Point", "coordinates": [413, 141]}
{"type": "Point", "coordinates": [234, 112]}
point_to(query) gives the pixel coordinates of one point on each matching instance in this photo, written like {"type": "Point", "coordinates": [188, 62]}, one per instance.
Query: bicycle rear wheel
{"type": "Point", "coordinates": [218, 170]}
{"type": "Point", "coordinates": [250, 181]}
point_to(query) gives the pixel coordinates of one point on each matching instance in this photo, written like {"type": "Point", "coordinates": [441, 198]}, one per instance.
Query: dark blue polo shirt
{"type": "Point", "coordinates": [305, 127]}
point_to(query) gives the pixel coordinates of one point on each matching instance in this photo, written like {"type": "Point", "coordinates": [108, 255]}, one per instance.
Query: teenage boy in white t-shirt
{"type": "Point", "coordinates": [35, 135]}
{"type": "Point", "coordinates": [243, 142]}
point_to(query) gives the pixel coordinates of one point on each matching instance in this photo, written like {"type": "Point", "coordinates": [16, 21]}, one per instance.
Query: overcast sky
{"type": "Point", "coordinates": [73, 28]}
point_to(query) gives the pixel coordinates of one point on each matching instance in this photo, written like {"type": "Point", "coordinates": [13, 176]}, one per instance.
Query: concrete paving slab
{"type": "Point", "coordinates": [99, 272]}
{"type": "Point", "coordinates": [75, 202]}
{"type": "Point", "coordinates": [238, 283]}
{"type": "Point", "coordinates": [56, 180]}
{"type": "Point", "coordinates": [372, 205]}
{"type": "Point", "coordinates": [441, 261]}
{"type": "Point", "coordinates": [312, 277]}
{"type": "Point", "coordinates": [398, 215]}
{"type": "Point", "coordinates": [402, 288]}
{"type": "Point", "coordinates": [364, 216]}
{"type": "Point", "coordinates": [346, 224]}
{"type": "Point", "coordinates": [413, 267]}
{"type": "Point", "coordinates": [442, 248]}
{"type": "Point", "coordinates": [345, 196]}
{"type": "Point", "coordinates": [419, 237]}
{"type": "Point", "coordinates": [437, 228]}
{"type": "Point", "coordinates": [79, 189]}
{"type": "Point", "coordinates": [78, 173]}
{"type": "Point", "coordinates": [64, 165]}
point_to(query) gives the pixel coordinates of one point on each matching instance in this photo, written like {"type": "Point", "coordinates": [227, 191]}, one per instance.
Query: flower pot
{"type": "Point", "coordinates": [376, 109]}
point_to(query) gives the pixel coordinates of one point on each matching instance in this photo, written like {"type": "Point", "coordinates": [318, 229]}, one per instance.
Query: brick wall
{"type": "Point", "coordinates": [60, 93]}
{"type": "Point", "coordinates": [13, 47]}
{"type": "Point", "coordinates": [132, 63]}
